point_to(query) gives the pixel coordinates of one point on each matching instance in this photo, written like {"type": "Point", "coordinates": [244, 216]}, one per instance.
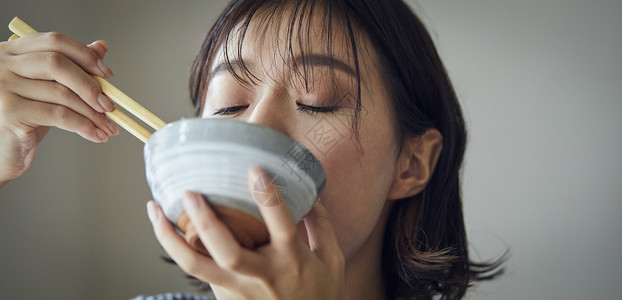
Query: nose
{"type": "Point", "coordinates": [271, 110]}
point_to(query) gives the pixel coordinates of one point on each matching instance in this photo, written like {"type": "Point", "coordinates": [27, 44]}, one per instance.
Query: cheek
{"type": "Point", "coordinates": [357, 184]}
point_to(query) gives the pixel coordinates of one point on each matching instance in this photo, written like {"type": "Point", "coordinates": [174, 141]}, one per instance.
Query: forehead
{"type": "Point", "coordinates": [287, 38]}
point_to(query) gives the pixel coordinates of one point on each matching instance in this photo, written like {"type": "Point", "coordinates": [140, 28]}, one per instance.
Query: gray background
{"type": "Point", "coordinates": [540, 83]}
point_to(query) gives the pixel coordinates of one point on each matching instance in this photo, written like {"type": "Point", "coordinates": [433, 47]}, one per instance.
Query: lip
{"type": "Point", "coordinates": [213, 156]}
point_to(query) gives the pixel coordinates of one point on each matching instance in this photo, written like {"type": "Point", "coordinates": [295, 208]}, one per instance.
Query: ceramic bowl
{"type": "Point", "coordinates": [213, 157]}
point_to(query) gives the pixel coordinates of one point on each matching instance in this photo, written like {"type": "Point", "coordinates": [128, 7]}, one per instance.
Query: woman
{"type": "Point", "coordinates": [359, 83]}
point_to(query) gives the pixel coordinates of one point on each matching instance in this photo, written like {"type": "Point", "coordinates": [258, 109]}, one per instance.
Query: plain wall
{"type": "Point", "coordinates": [540, 83]}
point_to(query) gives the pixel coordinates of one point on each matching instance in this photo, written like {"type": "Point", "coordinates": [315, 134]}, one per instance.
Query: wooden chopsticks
{"type": "Point", "coordinates": [20, 28]}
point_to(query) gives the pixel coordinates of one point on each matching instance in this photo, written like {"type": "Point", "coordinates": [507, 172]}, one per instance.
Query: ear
{"type": "Point", "coordinates": [416, 164]}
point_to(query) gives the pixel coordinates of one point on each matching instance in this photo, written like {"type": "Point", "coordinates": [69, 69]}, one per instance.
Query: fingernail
{"type": "Point", "coordinates": [192, 201]}
{"type": "Point", "coordinates": [101, 135]}
{"type": "Point", "coordinates": [104, 68]}
{"type": "Point", "coordinates": [105, 102]}
{"type": "Point", "coordinates": [112, 127]}
{"type": "Point", "coordinates": [103, 43]}
{"type": "Point", "coordinates": [152, 212]}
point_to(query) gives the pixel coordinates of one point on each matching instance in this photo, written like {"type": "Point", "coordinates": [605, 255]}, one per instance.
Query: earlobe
{"type": "Point", "coordinates": [416, 164]}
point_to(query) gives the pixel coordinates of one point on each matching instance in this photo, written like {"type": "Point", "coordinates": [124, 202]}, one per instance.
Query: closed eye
{"type": "Point", "coordinates": [316, 109]}
{"type": "Point", "coordinates": [226, 111]}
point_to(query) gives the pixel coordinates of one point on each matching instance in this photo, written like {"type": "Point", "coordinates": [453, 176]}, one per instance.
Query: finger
{"type": "Point", "coordinates": [185, 257]}
{"type": "Point", "coordinates": [99, 47]}
{"type": "Point", "coordinates": [53, 66]}
{"type": "Point", "coordinates": [219, 241]}
{"type": "Point", "coordinates": [73, 49]}
{"type": "Point", "coordinates": [56, 93]}
{"type": "Point", "coordinates": [321, 233]}
{"type": "Point", "coordinates": [273, 208]}
{"type": "Point", "coordinates": [34, 114]}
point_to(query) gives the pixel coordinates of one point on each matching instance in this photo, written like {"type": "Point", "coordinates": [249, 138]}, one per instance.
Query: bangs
{"type": "Point", "coordinates": [293, 31]}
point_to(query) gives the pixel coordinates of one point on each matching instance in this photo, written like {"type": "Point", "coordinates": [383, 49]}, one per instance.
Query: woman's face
{"type": "Point", "coordinates": [359, 169]}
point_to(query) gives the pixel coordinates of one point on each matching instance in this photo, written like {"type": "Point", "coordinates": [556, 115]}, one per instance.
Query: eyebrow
{"type": "Point", "coordinates": [306, 60]}
{"type": "Point", "coordinates": [326, 61]}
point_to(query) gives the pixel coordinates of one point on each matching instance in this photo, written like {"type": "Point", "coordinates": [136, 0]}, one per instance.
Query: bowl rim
{"type": "Point", "coordinates": [191, 130]}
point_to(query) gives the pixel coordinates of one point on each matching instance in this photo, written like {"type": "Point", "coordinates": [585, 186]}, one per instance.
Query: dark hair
{"type": "Point", "coordinates": [425, 248]}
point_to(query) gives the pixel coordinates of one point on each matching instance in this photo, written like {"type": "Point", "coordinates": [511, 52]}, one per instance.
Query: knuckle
{"type": "Point", "coordinates": [62, 91]}
{"type": "Point", "coordinates": [93, 88]}
{"type": "Point", "coordinates": [97, 118]}
{"type": "Point", "coordinates": [64, 114]}
{"type": "Point", "coordinates": [233, 262]}
{"type": "Point", "coordinates": [53, 37]}
{"type": "Point", "coordinates": [54, 60]}
{"type": "Point", "coordinates": [60, 112]}
{"type": "Point", "coordinates": [88, 53]}
{"type": "Point", "coordinates": [85, 125]}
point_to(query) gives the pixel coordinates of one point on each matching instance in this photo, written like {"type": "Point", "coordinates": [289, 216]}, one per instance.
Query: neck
{"type": "Point", "coordinates": [363, 272]}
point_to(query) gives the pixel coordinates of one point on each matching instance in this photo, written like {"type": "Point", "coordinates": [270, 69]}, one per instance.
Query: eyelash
{"type": "Point", "coordinates": [313, 110]}
{"type": "Point", "coordinates": [229, 110]}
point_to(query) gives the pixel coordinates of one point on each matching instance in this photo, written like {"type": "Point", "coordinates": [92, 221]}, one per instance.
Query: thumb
{"type": "Point", "coordinates": [99, 47]}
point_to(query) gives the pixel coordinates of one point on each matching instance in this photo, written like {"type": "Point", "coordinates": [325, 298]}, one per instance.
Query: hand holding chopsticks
{"type": "Point", "coordinates": [20, 28]}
